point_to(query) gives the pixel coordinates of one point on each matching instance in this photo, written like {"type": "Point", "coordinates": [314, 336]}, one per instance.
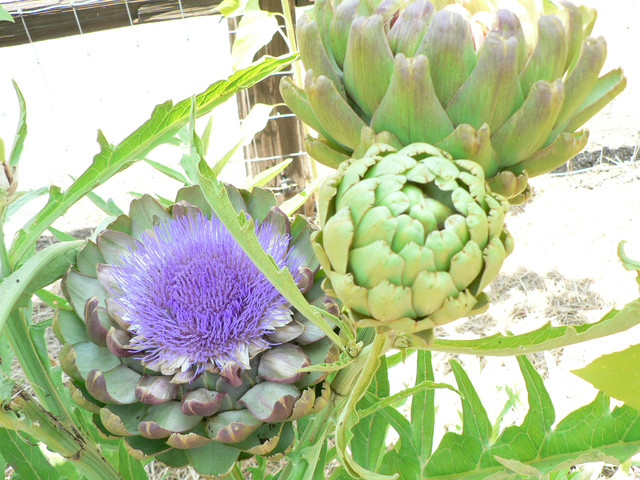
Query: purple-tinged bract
{"type": "Point", "coordinates": [179, 343]}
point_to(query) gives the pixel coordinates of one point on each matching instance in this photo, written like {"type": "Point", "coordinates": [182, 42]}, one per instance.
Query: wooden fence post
{"type": "Point", "coordinates": [283, 137]}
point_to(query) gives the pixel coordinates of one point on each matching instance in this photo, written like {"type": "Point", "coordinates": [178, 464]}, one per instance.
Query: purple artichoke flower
{"type": "Point", "coordinates": [180, 344]}
{"type": "Point", "coordinates": [194, 299]}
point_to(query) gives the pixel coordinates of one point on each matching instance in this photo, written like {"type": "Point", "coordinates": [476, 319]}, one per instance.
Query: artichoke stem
{"type": "Point", "coordinates": [311, 441]}
{"type": "Point", "coordinates": [349, 417]}
{"type": "Point", "coordinates": [66, 440]}
{"type": "Point", "coordinates": [345, 379]}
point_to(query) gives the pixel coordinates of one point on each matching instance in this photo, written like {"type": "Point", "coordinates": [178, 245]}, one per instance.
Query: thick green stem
{"type": "Point", "coordinates": [343, 382]}
{"type": "Point", "coordinates": [311, 442]}
{"type": "Point", "coordinates": [59, 436]}
{"type": "Point", "coordinates": [5, 263]}
{"type": "Point", "coordinates": [349, 417]}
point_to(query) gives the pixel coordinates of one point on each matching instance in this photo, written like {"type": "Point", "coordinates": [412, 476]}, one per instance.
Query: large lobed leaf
{"type": "Point", "coordinates": [543, 338]}
{"type": "Point", "coordinates": [616, 374]}
{"type": "Point", "coordinates": [163, 125]}
{"type": "Point", "coordinates": [591, 433]}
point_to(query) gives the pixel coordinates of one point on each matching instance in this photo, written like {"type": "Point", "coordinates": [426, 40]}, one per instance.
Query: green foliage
{"type": "Point", "coordinates": [28, 462]}
{"type": "Point", "coordinates": [531, 449]}
{"type": "Point", "coordinates": [21, 134]}
{"type": "Point", "coordinates": [616, 374]}
{"type": "Point", "coordinates": [544, 338]}
{"type": "Point", "coordinates": [40, 270]}
{"type": "Point", "coordinates": [5, 16]}
{"type": "Point", "coordinates": [24, 273]}
{"type": "Point", "coordinates": [166, 120]}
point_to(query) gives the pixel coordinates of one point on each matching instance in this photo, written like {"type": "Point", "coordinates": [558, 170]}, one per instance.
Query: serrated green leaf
{"type": "Point", "coordinates": [520, 442]}
{"type": "Point", "coordinates": [169, 172]}
{"type": "Point", "coordinates": [407, 466]}
{"type": "Point", "coordinates": [21, 134]}
{"type": "Point", "coordinates": [20, 199]}
{"type": "Point", "coordinates": [616, 374]}
{"type": "Point", "coordinates": [544, 338]}
{"type": "Point", "coordinates": [343, 361]}
{"type": "Point", "coordinates": [463, 452]}
{"type": "Point", "coordinates": [164, 123]}
{"type": "Point", "coordinates": [532, 449]}
{"type": "Point", "coordinates": [27, 460]}
{"type": "Point", "coordinates": [42, 269]}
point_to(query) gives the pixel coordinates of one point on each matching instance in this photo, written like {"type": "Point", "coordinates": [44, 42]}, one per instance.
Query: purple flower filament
{"type": "Point", "coordinates": [193, 297]}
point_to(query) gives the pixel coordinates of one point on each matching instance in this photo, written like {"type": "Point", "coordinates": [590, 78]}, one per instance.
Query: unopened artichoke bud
{"type": "Point", "coordinates": [506, 88]}
{"type": "Point", "coordinates": [410, 238]}
{"type": "Point", "coordinates": [180, 344]}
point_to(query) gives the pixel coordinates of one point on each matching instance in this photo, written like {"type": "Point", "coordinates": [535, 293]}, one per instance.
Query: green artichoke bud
{"type": "Point", "coordinates": [178, 342]}
{"type": "Point", "coordinates": [506, 89]}
{"type": "Point", "coordinates": [410, 238]}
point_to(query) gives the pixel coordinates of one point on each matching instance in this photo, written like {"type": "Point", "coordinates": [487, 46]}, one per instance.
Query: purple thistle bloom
{"type": "Point", "coordinates": [195, 300]}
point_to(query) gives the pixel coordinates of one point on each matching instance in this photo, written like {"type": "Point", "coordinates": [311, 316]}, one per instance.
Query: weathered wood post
{"type": "Point", "coordinates": [283, 137]}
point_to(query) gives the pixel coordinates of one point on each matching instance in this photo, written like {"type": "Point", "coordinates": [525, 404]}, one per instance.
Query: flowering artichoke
{"type": "Point", "coordinates": [504, 88]}
{"type": "Point", "coordinates": [179, 343]}
{"type": "Point", "coordinates": [410, 238]}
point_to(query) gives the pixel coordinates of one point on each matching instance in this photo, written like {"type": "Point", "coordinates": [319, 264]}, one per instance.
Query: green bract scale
{"type": "Point", "coordinates": [410, 238]}
{"type": "Point", "coordinates": [505, 84]}
{"type": "Point", "coordinates": [179, 343]}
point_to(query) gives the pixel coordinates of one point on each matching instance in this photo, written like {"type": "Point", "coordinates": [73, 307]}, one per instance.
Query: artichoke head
{"type": "Point", "coordinates": [410, 238]}
{"type": "Point", "coordinates": [178, 344]}
{"type": "Point", "coordinates": [504, 87]}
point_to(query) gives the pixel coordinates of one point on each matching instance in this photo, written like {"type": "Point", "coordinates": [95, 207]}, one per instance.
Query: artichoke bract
{"type": "Point", "coordinates": [179, 343]}
{"type": "Point", "coordinates": [504, 87]}
{"type": "Point", "coordinates": [410, 238]}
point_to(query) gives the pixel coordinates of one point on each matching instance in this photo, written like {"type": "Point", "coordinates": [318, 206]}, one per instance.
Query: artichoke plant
{"type": "Point", "coordinates": [179, 343]}
{"type": "Point", "coordinates": [504, 87]}
{"type": "Point", "coordinates": [410, 238]}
